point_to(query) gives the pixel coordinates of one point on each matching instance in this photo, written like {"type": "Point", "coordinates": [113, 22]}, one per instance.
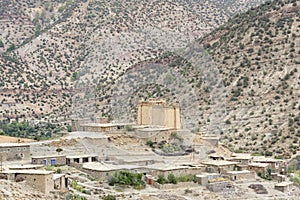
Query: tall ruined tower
{"type": "Point", "coordinates": [158, 112]}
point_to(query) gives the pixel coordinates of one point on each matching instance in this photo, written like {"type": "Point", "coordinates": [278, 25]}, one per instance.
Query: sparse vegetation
{"type": "Point", "coordinates": [127, 178]}
{"type": "Point", "coordinates": [174, 180]}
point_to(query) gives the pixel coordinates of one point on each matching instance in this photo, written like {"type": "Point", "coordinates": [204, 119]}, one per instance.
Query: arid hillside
{"type": "Point", "coordinates": [258, 55]}
{"type": "Point", "coordinates": [51, 50]}
{"type": "Point", "coordinates": [64, 59]}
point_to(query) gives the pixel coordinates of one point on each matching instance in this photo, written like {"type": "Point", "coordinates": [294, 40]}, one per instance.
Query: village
{"type": "Point", "coordinates": [156, 152]}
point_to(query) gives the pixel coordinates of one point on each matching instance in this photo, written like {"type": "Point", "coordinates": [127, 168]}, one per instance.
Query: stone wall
{"type": "Point", "coordinates": [41, 182]}
{"type": "Point", "coordinates": [10, 153]}
{"type": "Point", "coordinates": [219, 186]}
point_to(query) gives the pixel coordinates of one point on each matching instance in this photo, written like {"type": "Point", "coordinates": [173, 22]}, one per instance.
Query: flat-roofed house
{"type": "Point", "coordinates": [258, 167]}
{"type": "Point", "coordinates": [40, 180]}
{"type": "Point", "coordinates": [15, 151]}
{"type": "Point", "coordinates": [219, 166]}
{"type": "Point", "coordinates": [275, 164]}
{"type": "Point", "coordinates": [49, 160]}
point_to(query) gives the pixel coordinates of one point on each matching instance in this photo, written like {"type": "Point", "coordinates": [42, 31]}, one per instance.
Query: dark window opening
{"type": "Point", "coordinates": [85, 160]}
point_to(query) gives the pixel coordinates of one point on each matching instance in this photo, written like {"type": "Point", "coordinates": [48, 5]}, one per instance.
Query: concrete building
{"type": "Point", "coordinates": [79, 159]}
{"type": "Point", "coordinates": [219, 166]}
{"type": "Point", "coordinates": [159, 113]}
{"type": "Point", "coordinates": [49, 160]}
{"type": "Point", "coordinates": [15, 151]}
{"type": "Point", "coordinates": [40, 180]}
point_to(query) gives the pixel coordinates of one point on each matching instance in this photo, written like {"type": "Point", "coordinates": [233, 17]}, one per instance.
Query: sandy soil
{"type": "Point", "coordinates": [8, 139]}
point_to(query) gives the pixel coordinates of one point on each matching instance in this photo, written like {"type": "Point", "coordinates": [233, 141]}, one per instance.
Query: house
{"type": "Point", "coordinates": [215, 156]}
{"type": "Point", "coordinates": [258, 167]}
{"type": "Point", "coordinates": [219, 166]}
{"type": "Point", "coordinates": [275, 164]}
{"type": "Point", "coordinates": [284, 186]}
{"type": "Point", "coordinates": [178, 170]}
{"type": "Point", "coordinates": [25, 167]}
{"type": "Point", "coordinates": [203, 179]}
{"type": "Point", "coordinates": [240, 175]}
{"type": "Point", "coordinates": [60, 181]}
{"type": "Point", "coordinates": [40, 180]}
{"type": "Point", "coordinates": [242, 158]}
{"type": "Point", "coordinates": [79, 159]}
{"type": "Point", "coordinates": [49, 160]}
{"type": "Point", "coordinates": [15, 151]}
{"type": "Point", "coordinates": [101, 170]}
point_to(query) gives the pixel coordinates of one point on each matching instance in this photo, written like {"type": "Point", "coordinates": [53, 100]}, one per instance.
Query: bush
{"type": "Point", "coordinates": [161, 179]}
{"type": "Point", "coordinates": [172, 179]}
{"type": "Point", "coordinates": [109, 197]}
{"type": "Point", "coordinates": [128, 128]}
{"type": "Point", "coordinates": [127, 178]}
{"type": "Point", "coordinates": [150, 143]}
{"type": "Point", "coordinates": [76, 186]}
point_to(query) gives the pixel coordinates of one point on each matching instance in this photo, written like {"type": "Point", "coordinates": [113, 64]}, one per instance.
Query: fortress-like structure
{"type": "Point", "coordinates": [159, 113]}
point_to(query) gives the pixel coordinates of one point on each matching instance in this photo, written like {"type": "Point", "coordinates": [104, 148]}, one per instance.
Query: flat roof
{"type": "Point", "coordinates": [106, 124]}
{"type": "Point", "coordinates": [240, 156]}
{"type": "Point", "coordinates": [207, 174]}
{"type": "Point", "coordinates": [102, 166]}
{"type": "Point", "coordinates": [284, 183]}
{"type": "Point", "coordinates": [30, 171]}
{"type": "Point", "coordinates": [98, 166]}
{"type": "Point", "coordinates": [82, 156]}
{"type": "Point", "coordinates": [264, 165]}
{"type": "Point", "coordinates": [165, 167]}
{"type": "Point", "coordinates": [168, 167]}
{"type": "Point", "coordinates": [14, 144]}
{"type": "Point", "coordinates": [239, 172]}
{"type": "Point", "coordinates": [265, 159]}
{"type": "Point", "coordinates": [48, 156]}
{"type": "Point", "coordinates": [57, 176]}
{"type": "Point", "coordinates": [81, 134]}
{"type": "Point", "coordinates": [149, 129]}
{"type": "Point", "coordinates": [24, 166]}
{"type": "Point", "coordinates": [218, 162]}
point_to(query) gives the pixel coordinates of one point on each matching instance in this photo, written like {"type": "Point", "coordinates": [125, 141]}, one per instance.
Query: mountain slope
{"type": "Point", "coordinates": [258, 54]}
{"type": "Point", "coordinates": [55, 42]}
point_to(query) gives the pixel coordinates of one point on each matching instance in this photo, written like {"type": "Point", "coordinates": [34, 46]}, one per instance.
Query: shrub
{"type": "Point", "coordinates": [127, 178]}
{"type": "Point", "coordinates": [172, 179]}
{"type": "Point", "coordinates": [150, 143]}
{"type": "Point", "coordinates": [128, 128]}
{"type": "Point", "coordinates": [161, 179]}
{"type": "Point", "coordinates": [109, 197]}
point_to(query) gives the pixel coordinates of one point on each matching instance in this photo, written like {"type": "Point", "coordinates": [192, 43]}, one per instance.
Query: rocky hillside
{"type": "Point", "coordinates": [76, 58]}
{"type": "Point", "coordinates": [258, 55]}
{"type": "Point", "coordinates": [55, 49]}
